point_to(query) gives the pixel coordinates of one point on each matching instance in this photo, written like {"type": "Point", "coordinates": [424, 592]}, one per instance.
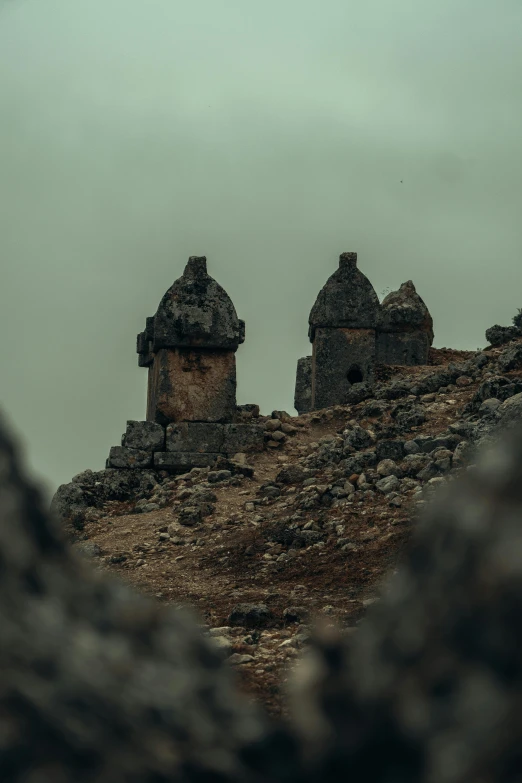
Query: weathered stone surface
{"type": "Point", "coordinates": [403, 348]}
{"type": "Point", "coordinates": [197, 312]}
{"type": "Point", "coordinates": [122, 457]}
{"type": "Point", "coordinates": [342, 358]}
{"type": "Point", "coordinates": [511, 359]}
{"type": "Point", "coordinates": [303, 385]}
{"type": "Point", "coordinates": [195, 436]}
{"type": "Point", "coordinates": [68, 502]}
{"type": "Point", "coordinates": [347, 300]}
{"type": "Point", "coordinates": [243, 437]}
{"type": "Point", "coordinates": [405, 328]}
{"type": "Point", "coordinates": [249, 410]}
{"type": "Point", "coordinates": [192, 385]}
{"type": "Point", "coordinates": [146, 435]}
{"type": "Point", "coordinates": [498, 335]}
{"type": "Point", "coordinates": [390, 449]}
{"type": "Point", "coordinates": [510, 412]}
{"type": "Point", "coordinates": [179, 462]}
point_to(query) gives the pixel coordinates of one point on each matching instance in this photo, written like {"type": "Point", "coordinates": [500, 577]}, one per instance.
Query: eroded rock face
{"type": "Point", "coordinates": [499, 335]}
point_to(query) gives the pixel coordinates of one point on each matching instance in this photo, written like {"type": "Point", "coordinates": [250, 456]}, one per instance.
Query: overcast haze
{"type": "Point", "coordinates": [270, 138]}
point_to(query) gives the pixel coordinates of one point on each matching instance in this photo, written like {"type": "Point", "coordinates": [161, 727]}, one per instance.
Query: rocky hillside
{"type": "Point", "coordinates": [305, 531]}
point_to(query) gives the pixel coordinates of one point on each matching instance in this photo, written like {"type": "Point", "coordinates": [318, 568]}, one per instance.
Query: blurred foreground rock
{"type": "Point", "coordinates": [100, 684]}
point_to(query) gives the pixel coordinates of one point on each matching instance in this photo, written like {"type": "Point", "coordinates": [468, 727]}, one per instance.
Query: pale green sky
{"type": "Point", "coordinates": [269, 137]}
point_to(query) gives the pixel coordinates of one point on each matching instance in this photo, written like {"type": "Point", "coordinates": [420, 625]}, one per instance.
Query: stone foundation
{"type": "Point", "coordinates": [183, 445]}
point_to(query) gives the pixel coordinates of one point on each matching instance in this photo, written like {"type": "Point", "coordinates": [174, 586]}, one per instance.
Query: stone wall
{"type": "Point", "coordinates": [180, 446]}
{"type": "Point", "coordinates": [341, 357]}
{"type": "Point", "coordinates": [402, 348]}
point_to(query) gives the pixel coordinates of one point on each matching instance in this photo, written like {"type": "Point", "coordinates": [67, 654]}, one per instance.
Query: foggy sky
{"type": "Point", "coordinates": [269, 137]}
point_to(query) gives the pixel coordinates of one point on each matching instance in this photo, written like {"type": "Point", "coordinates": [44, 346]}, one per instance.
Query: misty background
{"type": "Point", "coordinates": [269, 137]}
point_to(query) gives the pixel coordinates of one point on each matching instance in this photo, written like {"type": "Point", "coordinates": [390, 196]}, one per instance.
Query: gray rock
{"type": "Point", "coordinates": [69, 501]}
{"type": "Point", "coordinates": [357, 438]}
{"type": "Point", "coordinates": [236, 659]}
{"type": "Point", "coordinates": [388, 484]}
{"type": "Point", "coordinates": [88, 550]}
{"type": "Point", "coordinates": [374, 409]}
{"type": "Point", "coordinates": [509, 414]}
{"type": "Point", "coordinates": [411, 447]}
{"type": "Point", "coordinates": [511, 359]}
{"type": "Point", "coordinates": [411, 418]}
{"type": "Point", "coordinates": [86, 478]}
{"type": "Point", "coordinates": [295, 614]}
{"type": "Point", "coordinates": [250, 615]}
{"type": "Point", "coordinates": [195, 436]}
{"type": "Point", "coordinates": [270, 492]}
{"type": "Point", "coordinates": [144, 435]}
{"type": "Point", "coordinates": [461, 453]}
{"type": "Point", "coordinates": [430, 471]}
{"type": "Point", "coordinates": [189, 516]}
{"type": "Point", "coordinates": [414, 463]}
{"type": "Point", "coordinates": [243, 437]}
{"type": "Point", "coordinates": [180, 462]}
{"type": "Point", "coordinates": [387, 467]}
{"type": "Point", "coordinates": [216, 476]}
{"type": "Point", "coordinates": [498, 335]}
{"type": "Point", "coordinates": [390, 449]}
{"type": "Point", "coordinates": [489, 406]}
{"type": "Point", "coordinates": [291, 474]}
{"type": "Point", "coordinates": [123, 457]}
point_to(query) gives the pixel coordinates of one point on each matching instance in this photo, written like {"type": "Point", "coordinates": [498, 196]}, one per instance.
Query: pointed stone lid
{"type": "Point", "coordinates": [197, 312]}
{"type": "Point", "coordinates": [404, 310]}
{"type": "Point", "coordinates": [346, 300]}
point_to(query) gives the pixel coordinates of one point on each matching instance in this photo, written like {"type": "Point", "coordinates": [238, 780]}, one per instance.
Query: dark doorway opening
{"type": "Point", "coordinates": [355, 374]}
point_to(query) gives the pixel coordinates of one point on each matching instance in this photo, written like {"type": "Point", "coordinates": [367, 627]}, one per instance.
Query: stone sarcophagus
{"type": "Point", "coordinates": [351, 332]}
{"type": "Point", "coordinates": [189, 348]}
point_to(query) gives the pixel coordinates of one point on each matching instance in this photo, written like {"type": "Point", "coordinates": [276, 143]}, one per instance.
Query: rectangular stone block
{"type": "Point", "coordinates": [195, 436]}
{"type": "Point", "coordinates": [146, 435]}
{"type": "Point", "coordinates": [303, 385]}
{"type": "Point", "coordinates": [122, 457]}
{"type": "Point", "coordinates": [182, 461]}
{"type": "Point", "coordinates": [145, 359]}
{"type": "Point", "coordinates": [142, 343]}
{"type": "Point", "coordinates": [403, 348]}
{"type": "Point", "coordinates": [192, 385]}
{"type": "Point", "coordinates": [243, 437]}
